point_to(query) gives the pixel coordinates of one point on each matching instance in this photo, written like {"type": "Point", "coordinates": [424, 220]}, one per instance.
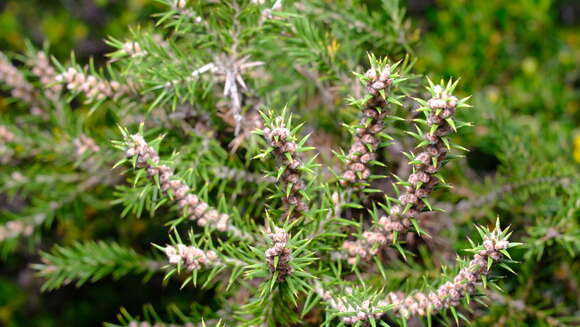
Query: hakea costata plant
{"type": "Point", "coordinates": [292, 258]}
{"type": "Point", "coordinates": [311, 241]}
{"type": "Point", "coordinates": [304, 243]}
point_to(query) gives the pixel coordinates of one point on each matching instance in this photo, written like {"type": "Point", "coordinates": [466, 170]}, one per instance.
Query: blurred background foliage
{"type": "Point", "coordinates": [520, 59]}
{"type": "Point", "coordinates": [79, 25]}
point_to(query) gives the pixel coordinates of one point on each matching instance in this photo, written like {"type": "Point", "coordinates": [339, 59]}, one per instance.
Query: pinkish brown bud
{"type": "Point", "coordinates": [408, 199]}
{"type": "Point", "coordinates": [371, 74]}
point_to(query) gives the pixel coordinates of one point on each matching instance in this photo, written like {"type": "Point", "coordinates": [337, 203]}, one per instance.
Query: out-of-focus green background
{"type": "Point", "coordinates": [518, 57]}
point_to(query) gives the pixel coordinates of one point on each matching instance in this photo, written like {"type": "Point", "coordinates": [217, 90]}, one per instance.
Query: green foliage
{"type": "Point", "coordinates": [90, 262]}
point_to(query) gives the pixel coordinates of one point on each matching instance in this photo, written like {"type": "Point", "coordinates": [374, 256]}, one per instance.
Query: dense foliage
{"type": "Point", "coordinates": [270, 163]}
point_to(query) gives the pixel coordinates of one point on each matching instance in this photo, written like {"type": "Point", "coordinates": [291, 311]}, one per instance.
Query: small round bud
{"type": "Point", "coordinates": [366, 173]}
{"type": "Point", "coordinates": [371, 74]}
{"type": "Point", "coordinates": [501, 245]}
{"type": "Point", "coordinates": [365, 158]}
{"type": "Point", "coordinates": [434, 119]}
{"type": "Point", "coordinates": [408, 199]}
{"type": "Point", "coordinates": [432, 138]}
{"type": "Point", "coordinates": [452, 102]}
{"type": "Point", "coordinates": [422, 193]}
{"type": "Point", "coordinates": [376, 127]}
{"type": "Point", "coordinates": [349, 176]}
{"type": "Point", "coordinates": [371, 113]}
{"type": "Point", "coordinates": [378, 86]}
{"type": "Point", "coordinates": [289, 147]}
{"type": "Point", "coordinates": [368, 139]}
{"type": "Point", "coordinates": [446, 113]}
{"type": "Point", "coordinates": [372, 91]}
{"type": "Point", "coordinates": [357, 167]}
{"type": "Point", "coordinates": [488, 245]}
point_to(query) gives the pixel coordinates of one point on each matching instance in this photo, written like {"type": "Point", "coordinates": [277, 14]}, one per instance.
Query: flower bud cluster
{"type": "Point", "coordinates": [351, 313]}
{"type": "Point", "coordinates": [6, 152]}
{"type": "Point", "coordinates": [11, 76]}
{"type": "Point", "coordinates": [195, 208]}
{"type": "Point", "coordinates": [423, 303]}
{"type": "Point", "coordinates": [366, 247]}
{"type": "Point", "coordinates": [190, 257]}
{"type": "Point", "coordinates": [366, 141]}
{"type": "Point", "coordinates": [42, 68]}
{"type": "Point", "coordinates": [285, 152]}
{"type": "Point", "coordinates": [279, 249]}
{"type": "Point", "coordinates": [133, 49]}
{"type": "Point", "coordinates": [181, 7]}
{"type": "Point", "coordinates": [6, 135]}
{"type": "Point", "coordinates": [426, 164]}
{"type": "Point", "coordinates": [420, 183]}
{"type": "Point", "coordinates": [450, 293]}
{"type": "Point", "coordinates": [94, 88]}
{"type": "Point", "coordinates": [16, 228]}
{"type": "Point", "coordinates": [83, 144]}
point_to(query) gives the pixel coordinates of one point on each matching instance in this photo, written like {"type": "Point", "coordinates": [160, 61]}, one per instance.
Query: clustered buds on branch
{"type": "Point", "coordinates": [427, 163]}
{"type": "Point", "coordinates": [280, 251]}
{"type": "Point", "coordinates": [351, 313]}
{"type": "Point", "coordinates": [11, 76]}
{"type": "Point", "coordinates": [420, 184]}
{"type": "Point", "coordinates": [6, 136]}
{"type": "Point", "coordinates": [181, 7]}
{"type": "Point", "coordinates": [366, 141]}
{"type": "Point", "coordinates": [194, 207]}
{"type": "Point", "coordinates": [16, 228]}
{"type": "Point", "coordinates": [42, 68]}
{"type": "Point", "coordinates": [94, 88]}
{"type": "Point", "coordinates": [450, 293]}
{"type": "Point", "coordinates": [190, 257]}
{"type": "Point", "coordinates": [133, 49]}
{"type": "Point", "coordinates": [284, 150]}
{"type": "Point", "coordinates": [278, 270]}
{"type": "Point", "coordinates": [83, 144]}
{"type": "Point", "coordinates": [420, 303]}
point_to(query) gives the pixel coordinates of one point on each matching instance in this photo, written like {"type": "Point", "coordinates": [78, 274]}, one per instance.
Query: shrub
{"type": "Point", "coordinates": [216, 135]}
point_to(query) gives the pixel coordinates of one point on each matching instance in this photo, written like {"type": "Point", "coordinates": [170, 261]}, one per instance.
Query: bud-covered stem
{"type": "Point", "coordinates": [93, 87]}
{"type": "Point", "coordinates": [195, 208]}
{"type": "Point", "coordinates": [279, 250]}
{"type": "Point", "coordinates": [42, 68]}
{"type": "Point", "coordinates": [421, 183]}
{"type": "Point", "coordinates": [427, 163]}
{"type": "Point", "coordinates": [17, 228]}
{"type": "Point", "coordinates": [20, 87]}
{"type": "Point", "coordinates": [285, 151]}
{"type": "Point", "coordinates": [350, 312]}
{"type": "Point", "coordinates": [450, 293]}
{"type": "Point", "coordinates": [366, 138]}
{"type": "Point", "coordinates": [11, 76]}
{"type": "Point", "coordinates": [445, 296]}
{"type": "Point", "coordinates": [366, 141]}
{"type": "Point", "coordinates": [190, 257]}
